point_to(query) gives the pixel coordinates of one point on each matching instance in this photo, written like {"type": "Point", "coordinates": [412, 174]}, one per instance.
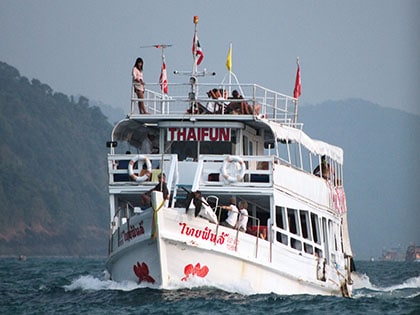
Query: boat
{"type": "Point", "coordinates": [392, 254]}
{"type": "Point", "coordinates": [296, 240]}
{"type": "Point", "coordinates": [413, 253]}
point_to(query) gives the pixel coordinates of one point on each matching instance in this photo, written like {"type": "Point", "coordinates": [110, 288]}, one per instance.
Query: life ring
{"type": "Point", "coordinates": [141, 159]}
{"type": "Point", "coordinates": [239, 174]}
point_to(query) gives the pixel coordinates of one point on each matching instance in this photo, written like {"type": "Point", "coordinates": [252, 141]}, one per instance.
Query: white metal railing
{"type": "Point", "coordinates": [272, 105]}
{"type": "Point", "coordinates": [118, 170]}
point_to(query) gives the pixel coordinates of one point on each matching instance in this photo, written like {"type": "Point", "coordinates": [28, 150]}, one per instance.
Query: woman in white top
{"type": "Point", "coordinates": [138, 83]}
{"type": "Point", "coordinates": [243, 215]}
{"type": "Point", "coordinates": [232, 218]}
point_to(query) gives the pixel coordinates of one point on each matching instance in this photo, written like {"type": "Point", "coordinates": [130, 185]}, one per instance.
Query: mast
{"type": "Point", "coordinates": [193, 78]}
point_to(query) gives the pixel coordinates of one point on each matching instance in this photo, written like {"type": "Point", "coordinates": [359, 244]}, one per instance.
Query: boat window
{"type": "Point", "coordinates": [304, 222]}
{"type": "Point", "coordinates": [184, 149]}
{"type": "Point", "coordinates": [245, 145]}
{"type": "Point", "coordinates": [293, 221]}
{"type": "Point", "coordinates": [315, 228]}
{"type": "Point", "coordinates": [283, 151]}
{"type": "Point", "coordinates": [188, 150]}
{"type": "Point", "coordinates": [306, 159]}
{"type": "Point", "coordinates": [282, 224]}
{"type": "Point", "coordinates": [280, 217]}
{"type": "Point", "coordinates": [325, 239]}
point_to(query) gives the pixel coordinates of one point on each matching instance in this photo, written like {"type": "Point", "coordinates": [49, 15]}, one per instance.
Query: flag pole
{"type": "Point", "coordinates": [230, 64]}
{"type": "Point", "coordinates": [193, 79]}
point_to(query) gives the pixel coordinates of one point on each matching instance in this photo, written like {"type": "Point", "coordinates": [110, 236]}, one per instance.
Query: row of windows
{"type": "Point", "coordinates": [300, 229]}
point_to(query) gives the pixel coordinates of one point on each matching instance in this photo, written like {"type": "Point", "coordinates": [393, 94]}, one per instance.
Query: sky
{"type": "Point", "coordinates": [366, 49]}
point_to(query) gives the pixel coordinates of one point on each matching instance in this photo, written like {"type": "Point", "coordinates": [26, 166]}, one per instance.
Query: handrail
{"type": "Point", "coordinates": [274, 105]}
{"type": "Point", "coordinates": [237, 229]}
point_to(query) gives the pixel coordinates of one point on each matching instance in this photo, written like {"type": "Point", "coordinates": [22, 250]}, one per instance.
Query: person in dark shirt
{"type": "Point", "coordinates": [161, 186]}
{"type": "Point", "coordinates": [323, 169]}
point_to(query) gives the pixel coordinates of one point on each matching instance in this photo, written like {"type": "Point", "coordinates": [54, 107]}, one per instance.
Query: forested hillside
{"type": "Point", "coordinates": [53, 195]}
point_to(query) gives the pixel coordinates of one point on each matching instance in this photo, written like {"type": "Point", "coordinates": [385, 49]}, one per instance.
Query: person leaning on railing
{"type": "Point", "coordinates": [233, 211]}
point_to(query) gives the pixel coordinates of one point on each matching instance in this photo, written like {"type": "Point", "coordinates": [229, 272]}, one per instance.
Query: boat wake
{"type": "Point", "coordinates": [92, 283]}
{"type": "Point", "coordinates": [363, 287]}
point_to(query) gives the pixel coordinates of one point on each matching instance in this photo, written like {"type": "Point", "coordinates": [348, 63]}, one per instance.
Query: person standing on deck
{"type": "Point", "coordinates": [243, 215]}
{"type": "Point", "coordinates": [232, 218]}
{"type": "Point", "coordinates": [138, 83]}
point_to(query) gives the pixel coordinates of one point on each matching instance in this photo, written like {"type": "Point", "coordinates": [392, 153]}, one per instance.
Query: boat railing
{"type": "Point", "coordinates": [182, 99]}
{"type": "Point", "coordinates": [214, 170]}
{"type": "Point", "coordinates": [118, 170]}
{"type": "Point", "coordinates": [255, 230]}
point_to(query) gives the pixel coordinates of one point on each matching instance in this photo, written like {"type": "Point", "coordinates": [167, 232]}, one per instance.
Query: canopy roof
{"type": "Point", "coordinates": [287, 133]}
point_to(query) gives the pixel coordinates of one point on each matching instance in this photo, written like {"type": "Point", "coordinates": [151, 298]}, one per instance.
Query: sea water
{"type": "Point", "coordinates": [81, 286]}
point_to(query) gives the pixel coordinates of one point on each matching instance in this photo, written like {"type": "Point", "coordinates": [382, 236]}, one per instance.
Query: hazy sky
{"type": "Point", "coordinates": [366, 49]}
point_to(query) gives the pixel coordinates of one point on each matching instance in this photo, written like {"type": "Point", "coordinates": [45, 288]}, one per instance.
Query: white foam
{"type": "Point", "coordinates": [95, 284]}
{"type": "Point", "coordinates": [362, 281]}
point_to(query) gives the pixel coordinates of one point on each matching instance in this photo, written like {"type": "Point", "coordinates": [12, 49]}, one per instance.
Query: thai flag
{"type": "Point", "coordinates": [298, 86]}
{"type": "Point", "coordinates": [197, 49]}
{"type": "Point", "coordinates": [163, 80]}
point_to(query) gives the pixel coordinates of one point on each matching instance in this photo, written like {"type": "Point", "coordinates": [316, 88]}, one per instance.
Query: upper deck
{"type": "Point", "coordinates": [191, 99]}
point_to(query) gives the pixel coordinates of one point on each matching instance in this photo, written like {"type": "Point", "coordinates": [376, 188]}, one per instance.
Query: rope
{"type": "Point", "coordinates": [154, 221]}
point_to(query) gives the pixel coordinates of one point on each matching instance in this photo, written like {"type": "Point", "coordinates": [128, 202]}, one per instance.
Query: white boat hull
{"type": "Point", "coordinates": [185, 252]}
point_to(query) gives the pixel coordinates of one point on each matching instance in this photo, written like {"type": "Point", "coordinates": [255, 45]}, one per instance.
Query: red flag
{"type": "Point", "coordinates": [298, 87]}
{"type": "Point", "coordinates": [198, 51]}
{"type": "Point", "coordinates": [163, 80]}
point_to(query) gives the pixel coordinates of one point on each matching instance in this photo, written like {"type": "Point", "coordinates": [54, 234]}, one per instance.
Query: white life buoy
{"type": "Point", "coordinates": [141, 159]}
{"type": "Point", "coordinates": [237, 164]}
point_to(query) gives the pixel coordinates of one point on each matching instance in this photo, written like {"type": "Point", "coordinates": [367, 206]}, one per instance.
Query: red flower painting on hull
{"type": "Point", "coordinates": [142, 272]}
{"type": "Point", "coordinates": [196, 270]}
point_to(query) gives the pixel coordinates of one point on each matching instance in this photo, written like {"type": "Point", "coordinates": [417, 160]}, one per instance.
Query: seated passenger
{"type": "Point", "coordinates": [145, 201]}
{"type": "Point", "coordinates": [216, 107]}
{"type": "Point", "coordinates": [235, 107]}
{"type": "Point", "coordinates": [242, 107]}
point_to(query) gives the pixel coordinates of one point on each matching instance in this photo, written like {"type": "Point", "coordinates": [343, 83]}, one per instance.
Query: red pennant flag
{"type": "Point", "coordinates": [197, 49]}
{"type": "Point", "coordinates": [298, 87]}
{"type": "Point", "coordinates": [163, 80]}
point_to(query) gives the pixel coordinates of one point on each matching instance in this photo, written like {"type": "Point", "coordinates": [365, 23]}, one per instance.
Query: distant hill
{"type": "Point", "coordinates": [112, 113]}
{"type": "Point", "coordinates": [381, 170]}
{"type": "Point", "coordinates": [53, 193]}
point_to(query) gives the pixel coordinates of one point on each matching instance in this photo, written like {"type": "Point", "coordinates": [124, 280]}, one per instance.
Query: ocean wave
{"type": "Point", "coordinates": [92, 283]}
{"type": "Point", "coordinates": [95, 284]}
{"type": "Point", "coordinates": [362, 281]}
{"type": "Point", "coordinates": [363, 288]}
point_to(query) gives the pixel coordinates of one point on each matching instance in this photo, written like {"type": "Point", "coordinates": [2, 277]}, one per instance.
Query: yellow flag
{"type": "Point", "coordinates": [229, 60]}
